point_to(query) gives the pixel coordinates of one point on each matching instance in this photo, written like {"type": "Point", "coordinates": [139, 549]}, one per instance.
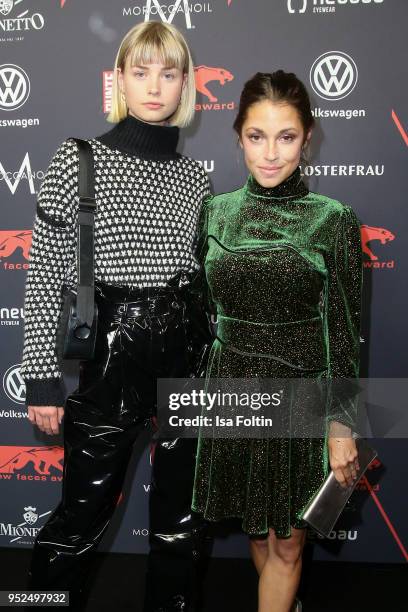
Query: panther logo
{"type": "Point", "coordinates": [11, 240]}
{"type": "Point", "coordinates": [41, 458]}
{"type": "Point", "coordinates": [206, 74]}
{"type": "Point", "coordinates": [369, 233]}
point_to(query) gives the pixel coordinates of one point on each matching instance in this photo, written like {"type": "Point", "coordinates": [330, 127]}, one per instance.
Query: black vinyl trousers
{"type": "Point", "coordinates": [142, 335]}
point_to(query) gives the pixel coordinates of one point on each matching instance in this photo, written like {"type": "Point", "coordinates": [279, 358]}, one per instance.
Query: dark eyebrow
{"type": "Point", "coordinates": [287, 130]}
{"type": "Point", "coordinates": [255, 129]}
{"type": "Point", "coordinates": [279, 133]}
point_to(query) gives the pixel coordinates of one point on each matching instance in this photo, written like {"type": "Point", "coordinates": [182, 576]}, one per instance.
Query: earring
{"type": "Point", "coordinates": [122, 95]}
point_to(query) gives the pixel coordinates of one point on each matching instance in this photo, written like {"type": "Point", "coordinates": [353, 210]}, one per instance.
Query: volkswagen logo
{"type": "Point", "coordinates": [334, 75]}
{"type": "Point", "coordinates": [14, 87]}
{"type": "Point", "coordinates": [13, 385]}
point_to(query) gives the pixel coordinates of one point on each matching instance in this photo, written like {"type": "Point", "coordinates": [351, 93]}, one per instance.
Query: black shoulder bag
{"type": "Point", "coordinates": [79, 316]}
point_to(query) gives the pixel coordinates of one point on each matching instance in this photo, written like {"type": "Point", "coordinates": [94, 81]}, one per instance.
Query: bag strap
{"type": "Point", "coordinates": [85, 303]}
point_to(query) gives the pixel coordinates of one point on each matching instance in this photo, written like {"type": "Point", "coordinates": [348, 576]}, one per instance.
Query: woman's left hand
{"type": "Point", "coordinates": [343, 454]}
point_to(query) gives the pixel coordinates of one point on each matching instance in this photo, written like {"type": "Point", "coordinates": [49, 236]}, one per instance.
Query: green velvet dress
{"type": "Point", "coordinates": [283, 271]}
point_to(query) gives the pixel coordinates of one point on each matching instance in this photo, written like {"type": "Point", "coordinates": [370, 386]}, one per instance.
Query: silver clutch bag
{"type": "Point", "coordinates": [326, 506]}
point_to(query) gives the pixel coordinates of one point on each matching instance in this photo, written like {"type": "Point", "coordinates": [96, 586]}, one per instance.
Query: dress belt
{"type": "Point", "coordinates": [299, 344]}
{"type": "Point", "coordinates": [132, 303]}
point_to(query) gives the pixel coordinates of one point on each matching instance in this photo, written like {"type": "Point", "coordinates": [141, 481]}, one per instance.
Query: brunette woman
{"type": "Point", "coordinates": [283, 267]}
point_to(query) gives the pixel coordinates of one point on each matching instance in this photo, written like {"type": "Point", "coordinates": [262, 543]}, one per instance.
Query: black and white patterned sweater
{"type": "Point", "coordinates": [148, 200]}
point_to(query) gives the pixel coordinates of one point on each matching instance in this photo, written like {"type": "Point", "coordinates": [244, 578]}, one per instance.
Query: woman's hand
{"type": "Point", "coordinates": [343, 454]}
{"type": "Point", "coordinates": [47, 418]}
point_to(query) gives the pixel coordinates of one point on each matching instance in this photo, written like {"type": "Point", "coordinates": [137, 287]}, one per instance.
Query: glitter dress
{"type": "Point", "coordinates": [284, 273]}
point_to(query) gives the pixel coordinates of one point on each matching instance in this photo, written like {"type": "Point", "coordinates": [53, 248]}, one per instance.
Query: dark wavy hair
{"type": "Point", "coordinates": [279, 86]}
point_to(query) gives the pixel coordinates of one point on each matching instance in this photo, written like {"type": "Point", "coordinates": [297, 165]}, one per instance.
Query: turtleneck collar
{"type": "Point", "coordinates": [135, 137]}
{"type": "Point", "coordinates": [292, 187]}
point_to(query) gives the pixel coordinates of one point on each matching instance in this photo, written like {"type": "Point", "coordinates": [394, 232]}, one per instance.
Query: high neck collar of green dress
{"type": "Point", "coordinates": [292, 187]}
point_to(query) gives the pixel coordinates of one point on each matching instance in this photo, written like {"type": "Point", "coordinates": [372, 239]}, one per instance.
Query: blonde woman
{"type": "Point", "coordinates": [148, 198]}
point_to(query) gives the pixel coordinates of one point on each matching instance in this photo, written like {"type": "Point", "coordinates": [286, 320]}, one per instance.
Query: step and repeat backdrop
{"type": "Point", "coordinates": [56, 59]}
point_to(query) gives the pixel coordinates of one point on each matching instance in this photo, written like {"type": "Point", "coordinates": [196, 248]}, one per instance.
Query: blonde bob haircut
{"type": "Point", "coordinates": [156, 42]}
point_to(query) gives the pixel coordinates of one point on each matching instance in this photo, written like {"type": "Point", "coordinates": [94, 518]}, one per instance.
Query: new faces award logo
{"type": "Point", "coordinates": [208, 79]}
{"type": "Point", "coordinates": [371, 239]}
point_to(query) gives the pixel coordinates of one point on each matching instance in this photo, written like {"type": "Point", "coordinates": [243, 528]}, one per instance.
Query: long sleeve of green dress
{"type": "Point", "coordinates": [283, 269]}
{"type": "Point", "coordinates": [343, 304]}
